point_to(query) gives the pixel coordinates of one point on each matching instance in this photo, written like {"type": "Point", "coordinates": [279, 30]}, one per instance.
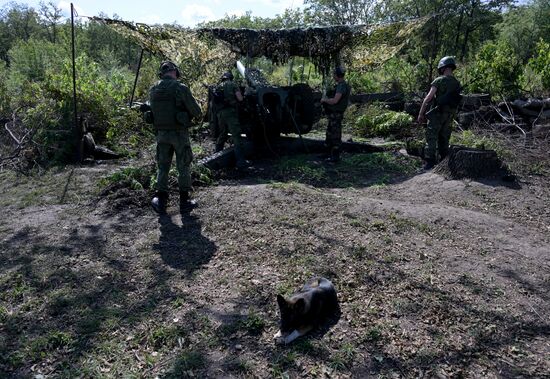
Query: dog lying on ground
{"type": "Point", "coordinates": [306, 309]}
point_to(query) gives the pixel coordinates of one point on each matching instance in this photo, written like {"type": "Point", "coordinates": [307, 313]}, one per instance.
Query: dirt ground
{"type": "Point", "coordinates": [435, 278]}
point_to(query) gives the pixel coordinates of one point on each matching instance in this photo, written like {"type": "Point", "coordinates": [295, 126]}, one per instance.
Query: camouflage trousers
{"type": "Point", "coordinates": [333, 138]}
{"type": "Point", "coordinates": [168, 143]}
{"type": "Point", "coordinates": [228, 121]}
{"type": "Point", "coordinates": [438, 134]}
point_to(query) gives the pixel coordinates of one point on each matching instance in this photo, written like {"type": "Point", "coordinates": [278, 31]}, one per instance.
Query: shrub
{"type": "Point", "coordinates": [136, 178]}
{"type": "Point", "coordinates": [379, 122]}
{"type": "Point", "coordinates": [540, 64]}
{"type": "Point", "coordinates": [496, 70]}
{"type": "Point", "coordinates": [4, 98]}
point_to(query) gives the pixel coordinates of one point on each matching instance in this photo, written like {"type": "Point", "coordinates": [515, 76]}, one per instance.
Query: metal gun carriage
{"type": "Point", "coordinates": [267, 110]}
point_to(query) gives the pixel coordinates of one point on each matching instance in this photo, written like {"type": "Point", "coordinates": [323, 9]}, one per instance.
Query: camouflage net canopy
{"type": "Point", "coordinates": [364, 44]}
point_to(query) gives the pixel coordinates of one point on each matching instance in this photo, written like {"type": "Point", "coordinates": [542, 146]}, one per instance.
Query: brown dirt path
{"type": "Point", "coordinates": [436, 279]}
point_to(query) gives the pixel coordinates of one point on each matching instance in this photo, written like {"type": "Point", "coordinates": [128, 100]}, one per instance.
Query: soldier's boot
{"type": "Point", "coordinates": [327, 153]}
{"type": "Point", "coordinates": [241, 161]}
{"type": "Point", "coordinates": [429, 164]}
{"type": "Point", "coordinates": [159, 202]}
{"type": "Point", "coordinates": [334, 155]}
{"type": "Point", "coordinates": [185, 201]}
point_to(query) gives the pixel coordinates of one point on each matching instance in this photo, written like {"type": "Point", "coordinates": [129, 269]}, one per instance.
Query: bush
{"type": "Point", "coordinates": [496, 70]}
{"type": "Point", "coordinates": [4, 98]}
{"type": "Point", "coordinates": [136, 178]}
{"type": "Point", "coordinates": [540, 64]}
{"type": "Point", "coordinates": [379, 122]}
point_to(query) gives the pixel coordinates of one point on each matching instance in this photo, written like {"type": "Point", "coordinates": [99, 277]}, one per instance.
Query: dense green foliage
{"type": "Point", "coordinates": [503, 48]}
{"type": "Point", "coordinates": [376, 121]}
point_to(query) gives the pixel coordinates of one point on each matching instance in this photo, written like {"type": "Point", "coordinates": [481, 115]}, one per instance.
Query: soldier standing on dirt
{"type": "Point", "coordinates": [173, 106]}
{"type": "Point", "coordinates": [228, 119]}
{"type": "Point", "coordinates": [445, 91]}
{"type": "Point", "coordinates": [335, 108]}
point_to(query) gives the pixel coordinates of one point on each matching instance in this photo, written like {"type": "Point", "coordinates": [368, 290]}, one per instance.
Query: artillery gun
{"type": "Point", "coordinates": [267, 111]}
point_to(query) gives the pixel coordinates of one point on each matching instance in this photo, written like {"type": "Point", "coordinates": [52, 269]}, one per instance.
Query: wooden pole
{"type": "Point", "coordinates": [137, 76]}
{"type": "Point", "coordinates": [78, 132]}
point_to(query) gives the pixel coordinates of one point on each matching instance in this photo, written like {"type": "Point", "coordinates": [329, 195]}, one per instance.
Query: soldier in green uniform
{"type": "Point", "coordinates": [335, 108]}
{"type": "Point", "coordinates": [444, 98]}
{"type": "Point", "coordinates": [173, 107]}
{"type": "Point", "coordinates": [228, 119]}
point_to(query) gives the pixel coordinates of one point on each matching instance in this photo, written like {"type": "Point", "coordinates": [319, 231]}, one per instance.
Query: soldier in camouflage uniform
{"type": "Point", "coordinates": [228, 119]}
{"type": "Point", "coordinates": [444, 98]}
{"type": "Point", "coordinates": [173, 107]}
{"type": "Point", "coordinates": [335, 108]}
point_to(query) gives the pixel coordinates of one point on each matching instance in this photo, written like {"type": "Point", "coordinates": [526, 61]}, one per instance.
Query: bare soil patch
{"type": "Point", "coordinates": [435, 278]}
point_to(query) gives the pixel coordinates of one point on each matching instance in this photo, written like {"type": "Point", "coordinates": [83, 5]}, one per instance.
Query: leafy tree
{"type": "Point", "coordinates": [523, 26]}
{"type": "Point", "coordinates": [455, 28]}
{"type": "Point", "coordinates": [496, 70]}
{"type": "Point", "coordinates": [52, 16]}
{"type": "Point", "coordinates": [340, 12]}
{"type": "Point", "coordinates": [290, 18]}
{"type": "Point", "coordinates": [17, 21]}
{"type": "Point", "coordinates": [540, 64]}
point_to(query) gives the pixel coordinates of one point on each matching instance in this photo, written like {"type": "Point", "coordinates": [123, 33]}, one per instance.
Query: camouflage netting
{"type": "Point", "coordinates": [201, 60]}
{"type": "Point", "coordinates": [364, 44]}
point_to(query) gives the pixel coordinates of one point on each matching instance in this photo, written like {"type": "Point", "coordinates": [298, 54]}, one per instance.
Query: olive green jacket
{"type": "Point", "coordinates": [172, 104]}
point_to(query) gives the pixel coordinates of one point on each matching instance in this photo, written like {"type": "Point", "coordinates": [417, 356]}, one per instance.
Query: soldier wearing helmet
{"type": "Point", "coordinates": [173, 107]}
{"type": "Point", "coordinates": [334, 108]}
{"type": "Point", "coordinates": [228, 119]}
{"type": "Point", "coordinates": [444, 98]}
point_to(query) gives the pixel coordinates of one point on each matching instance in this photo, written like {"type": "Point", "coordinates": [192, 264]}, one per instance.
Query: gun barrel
{"type": "Point", "coordinates": [241, 69]}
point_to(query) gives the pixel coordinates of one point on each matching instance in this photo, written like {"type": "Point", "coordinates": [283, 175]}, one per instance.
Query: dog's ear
{"type": "Point", "coordinates": [283, 304]}
{"type": "Point", "coordinates": [300, 305]}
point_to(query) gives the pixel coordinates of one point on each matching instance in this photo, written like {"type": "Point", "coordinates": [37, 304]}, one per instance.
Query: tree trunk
{"type": "Point", "coordinates": [463, 162]}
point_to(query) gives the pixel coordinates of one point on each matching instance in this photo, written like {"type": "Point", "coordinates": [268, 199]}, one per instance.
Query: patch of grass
{"type": "Point", "coordinates": [538, 168]}
{"type": "Point", "coordinates": [253, 323]}
{"type": "Point", "coordinates": [373, 334]}
{"type": "Point", "coordinates": [54, 340]}
{"type": "Point", "coordinates": [17, 287]}
{"type": "Point", "coordinates": [201, 175]}
{"type": "Point", "coordinates": [360, 252]}
{"type": "Point", "coordinates": [3, 314]}
{"type": "Point", "coordinates": [378, 225]}
{"type": "Point", "coordinates": [237, 365]}
{"type": "Point", "coordinates": [343, 358]}
{"type": "Point", "coordinates": [136, 178]}
{"type": "Point", "coordinates": [178, 302]}
{"type": "Point", "coordinates": [187, 363]}
{"type": "Point", "coordinates": [283, 362]}
{"type": "Point", "coordinates": [300, 168]}
{"type": "Point", "coordinates": [387, 162]}
{"type": "Point", "coordinates": [290, 186]}
{"type": "Point", "coordinates": [285, 288]}
{"type": "Point", "coordinates": [163, 336]}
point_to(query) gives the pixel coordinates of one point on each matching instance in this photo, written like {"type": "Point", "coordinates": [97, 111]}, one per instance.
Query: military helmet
{"type": "Point", "coordinates": [166, 67]}
{"type": "Point", "coordinates": [446, 62]}
{"type": "Point", "coordinates": [339, 71]}
{"type": "Point", "coordinates": [227, 76]}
